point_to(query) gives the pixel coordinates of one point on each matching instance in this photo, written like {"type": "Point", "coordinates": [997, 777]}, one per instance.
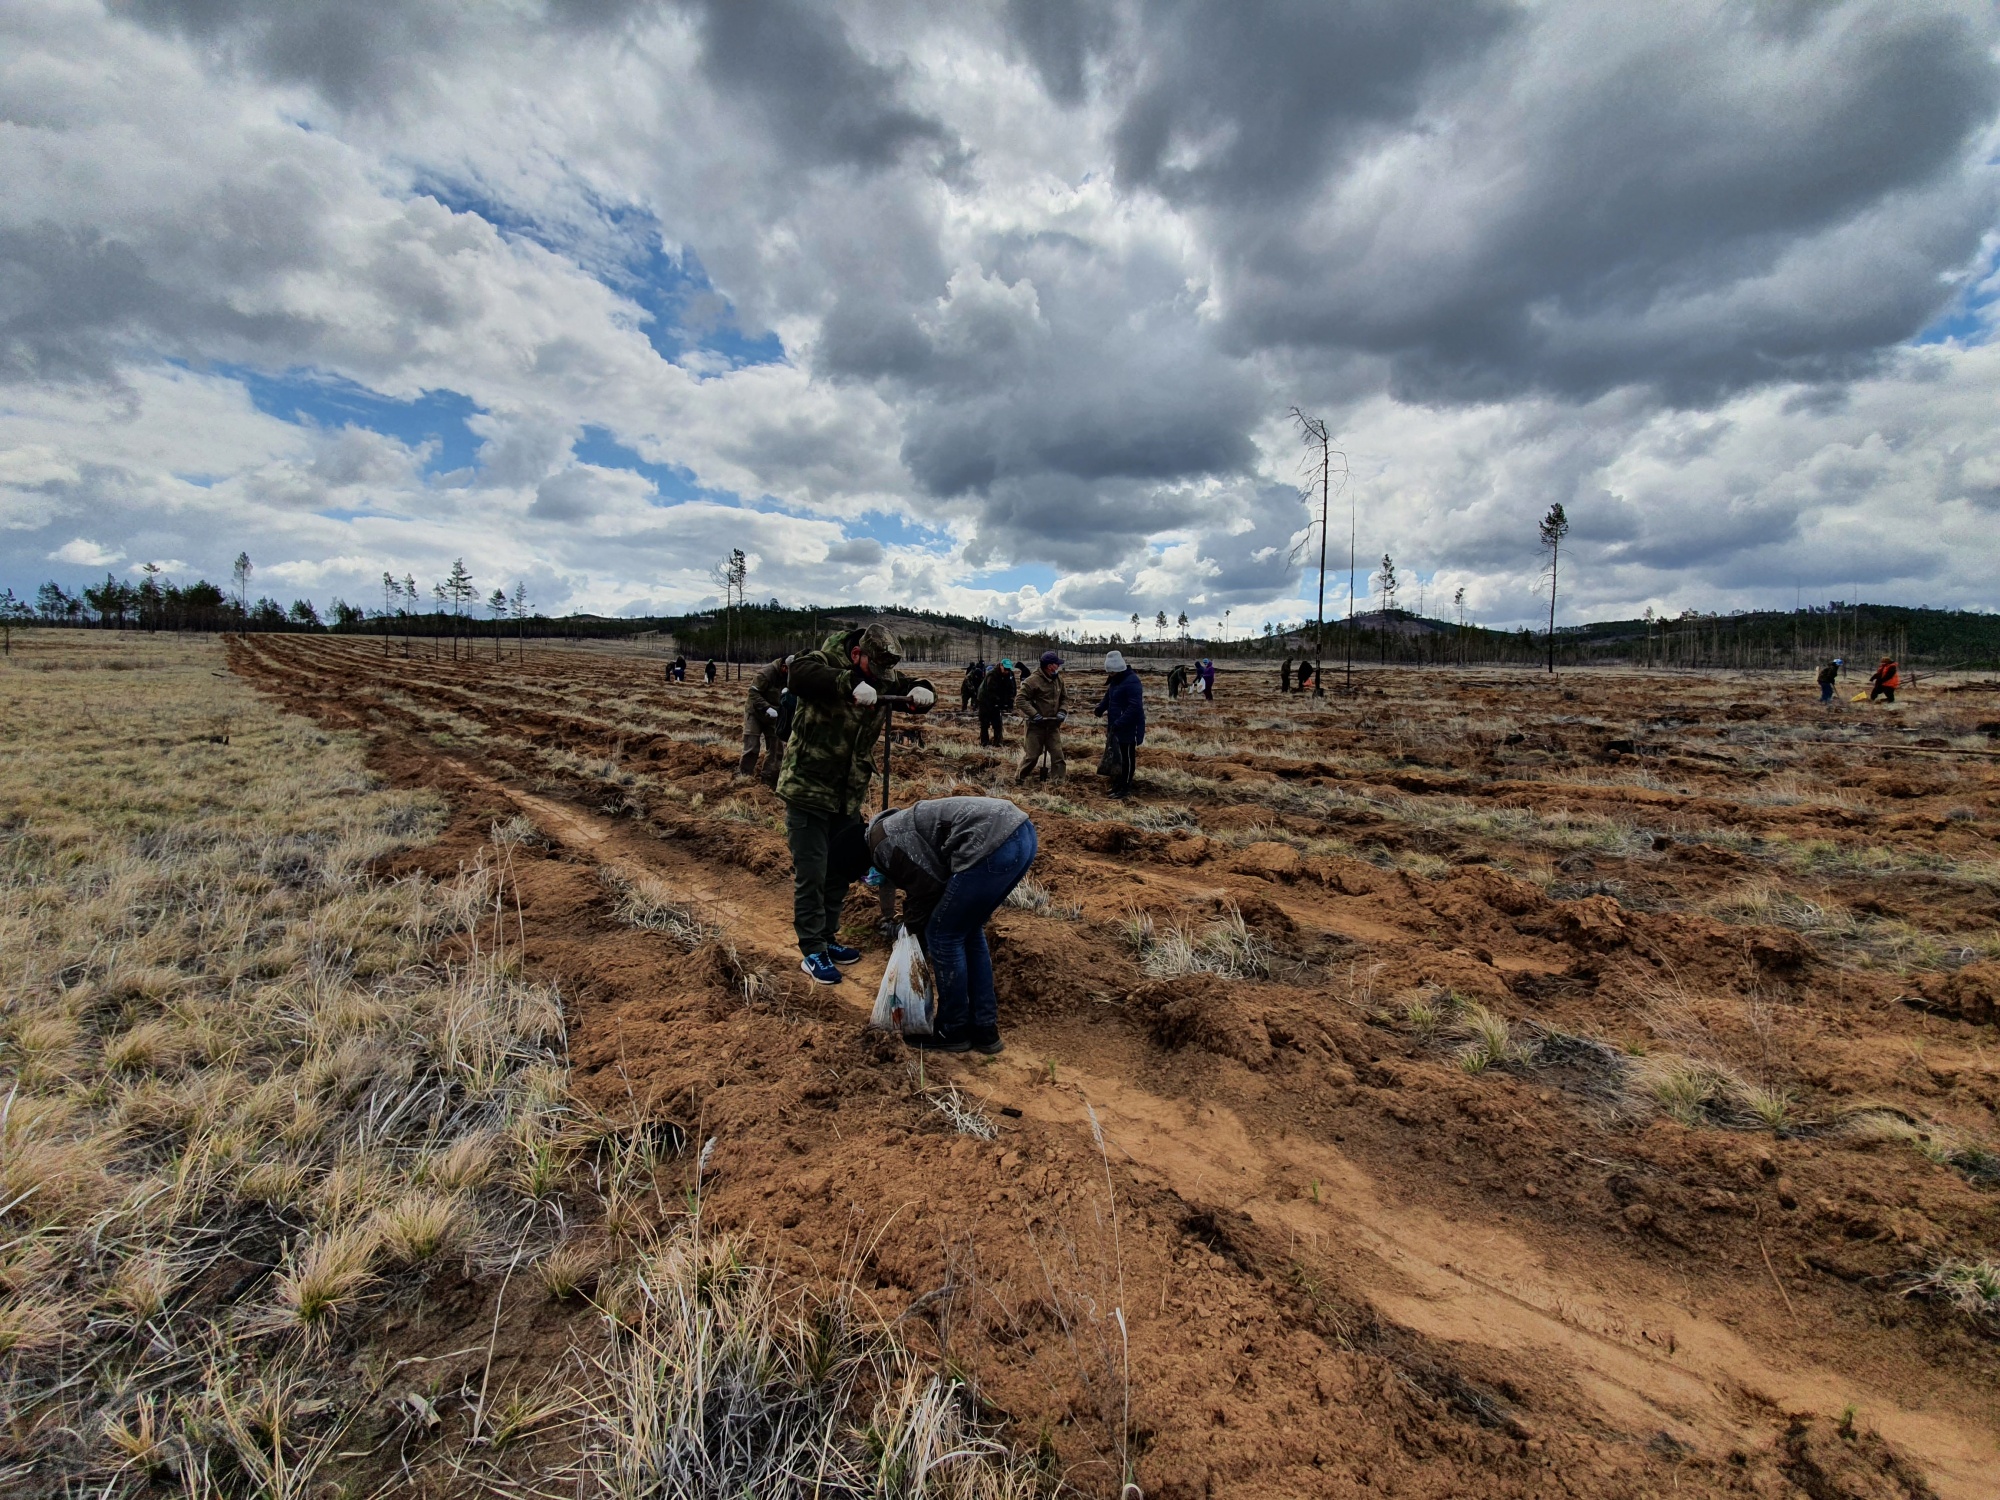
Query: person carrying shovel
{"type": "Point", "coordinates": [1042, 700]}
{"type": "Point", "coordinates": [825, 774]}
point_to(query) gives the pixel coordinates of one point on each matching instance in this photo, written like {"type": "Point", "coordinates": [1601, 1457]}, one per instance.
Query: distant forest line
{"type": "Point", "coordinates": [1761, 639]}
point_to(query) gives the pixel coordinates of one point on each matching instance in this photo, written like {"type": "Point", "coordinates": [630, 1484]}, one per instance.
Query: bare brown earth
{"type": "Point", "coordinates": [1348, 1266]}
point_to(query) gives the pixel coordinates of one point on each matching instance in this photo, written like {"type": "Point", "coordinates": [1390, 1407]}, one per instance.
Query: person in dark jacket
{"type": "Point", "coordinates": [1123, 709]}
{"type": "Point", "coordinates": [968, 689]}
{"type": "Point", "coordinates": [996, 701]}
{"type": "Point", "coordinates": [1285, 676]}
{"type": "Point", "coordinates": [955, 859]}
{"type": "Point", "coordinates": [1206, 673]}
{"type": "Point", "coordinates": [762, 708]}
{"type": "Point", "coordinates": [1305, 680]}
{"type": "Point", "coordinates": [678, 672]}
{"type": "Point", "coordinates": [1828, 676]}
{"type": "Point", "coordinates": [708, 671]}
{"type": "Point", "coordinates": [1176, 679]}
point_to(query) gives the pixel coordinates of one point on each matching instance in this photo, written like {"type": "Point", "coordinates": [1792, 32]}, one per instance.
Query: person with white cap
{"type": "Point", "coordinates": [1123, 709]}
{"type": "Point", "coordinates": [1042, 700]}
{"type": "Point", "coordinates": [1828, 675]}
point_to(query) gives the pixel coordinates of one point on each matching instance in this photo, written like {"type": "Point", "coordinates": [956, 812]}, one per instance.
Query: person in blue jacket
{"type": "Point", "coordinates": [1123, 709]}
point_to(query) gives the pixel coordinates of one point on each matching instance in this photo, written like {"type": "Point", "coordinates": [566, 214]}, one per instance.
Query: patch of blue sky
{"type": "Point", "coordinates": [687, 320]}
{"type": "Point", "coordinates": [1038, 576]}
{"type": "Point", "coordinates": [1971, 316]}
{"type": "Point", "coordinates": [597, 446]}
{"type": "Point", "coordinates": [894, 530]}
{"type": "Point", "coordinates": [437, 417]}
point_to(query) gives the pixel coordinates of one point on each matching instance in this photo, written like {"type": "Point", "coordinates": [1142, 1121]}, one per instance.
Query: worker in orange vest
{"type": "Point", "coordinates": [1884, 680]}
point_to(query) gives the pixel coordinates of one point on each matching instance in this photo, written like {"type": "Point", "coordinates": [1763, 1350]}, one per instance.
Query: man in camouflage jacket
{"type": "Point", "coordinates": [825, 776]}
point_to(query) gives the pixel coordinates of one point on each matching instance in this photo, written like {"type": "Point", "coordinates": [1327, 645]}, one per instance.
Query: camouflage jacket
{"type": "Point", "coordinates": [829, 758]}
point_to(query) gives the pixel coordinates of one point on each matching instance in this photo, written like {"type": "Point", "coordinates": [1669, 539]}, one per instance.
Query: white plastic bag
{"type": "Point", "coordinates": [904, 1003]}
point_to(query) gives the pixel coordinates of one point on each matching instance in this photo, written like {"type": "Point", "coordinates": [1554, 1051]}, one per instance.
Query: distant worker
{"type": "Point", "coordinates": [1306, 677]}
{"type": "Point", "coordinates": [1123, 709]}
{"type": "Point", "coordinates": [763, 712]}
{"type": "Point", "coordinates": [678, 672]}
{"type": "Point", "coordinates": [825, 776]}
{"type": "Point", "coordinates": [1042, 703]}
{"type": "Point", "coordinates": [996, 701]}
{"type": "Point", "coordinates": [1828, 675]}
{"type": "Point", "coordinates": [1206, 672]}
{"type": "Point", "coordinates": [968, 690]}
{"type": "Point", "coordinates": [1285, 676]}
{"type": "Point", "coordinates": [1884, 680]}
{"type": "Point", "coordinates": [708, 671]}
{"type": "Point", "coordinates": [955, 859]}
{"type": "Point", "coordinates": [1177, 676]}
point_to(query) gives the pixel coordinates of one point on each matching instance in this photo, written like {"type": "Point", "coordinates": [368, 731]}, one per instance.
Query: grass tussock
{"type": "Point", "coordinates": [723, 1380]}
{"type": "Point", "coordinates": [1225, 947]}
{"type": "Point", "coordinates": [656, 909]}
{"type": "Point", "coordinates": [1970, 1287]}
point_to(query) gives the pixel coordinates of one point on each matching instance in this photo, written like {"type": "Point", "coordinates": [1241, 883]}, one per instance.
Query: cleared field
{"type": "Point", "coordinates": [1487, 1086]}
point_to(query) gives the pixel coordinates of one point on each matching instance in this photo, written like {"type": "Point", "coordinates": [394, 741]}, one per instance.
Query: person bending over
{"type": "Point", "coordinates": [955, 859]}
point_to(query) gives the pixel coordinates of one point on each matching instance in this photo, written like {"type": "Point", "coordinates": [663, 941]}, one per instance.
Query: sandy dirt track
{"type": "Point", "coordinates": [1349, 1263]}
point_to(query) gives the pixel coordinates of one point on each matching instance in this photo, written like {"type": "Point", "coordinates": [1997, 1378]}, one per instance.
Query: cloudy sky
{"type": "Point", "coordinates": [1003, 306]}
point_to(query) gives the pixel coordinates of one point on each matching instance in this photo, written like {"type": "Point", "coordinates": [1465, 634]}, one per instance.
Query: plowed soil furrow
{"type": "Point", "coordinates": [1351, 1263]}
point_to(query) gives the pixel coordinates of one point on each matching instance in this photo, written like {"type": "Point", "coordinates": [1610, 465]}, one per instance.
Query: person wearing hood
{"type": "Point", "coordinates": [1043, 701]}
{"type": "Point", "coordinates": [1123, 709]}
{"type": "Point", "coordinates": [763, 708]}
{"type": "Point", "coordinates": [955, 859]}
{"type": "Point", "coordinates": [1828, 676]}
{"type": "Point", "coordinates": [996, 701]}
{"type": "Point", "coordinates": [825, 776]}
{"type": "Point", "coordinates": [1205, 671]}
{"type": "Point", "coordinates": [968, 689]}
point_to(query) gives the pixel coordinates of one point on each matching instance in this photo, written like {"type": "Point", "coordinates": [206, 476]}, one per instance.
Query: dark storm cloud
{"type": "Point", "coordinates": [824, 102]}
{"type": "Point", "coordinates": [1699, 206]}
{"type": "Point", "coordinates": [351, 51]}
{"type": "Point", "coordinates": [1059, 38]}
{"type": "Point", "coordinates": [73, 301]}
{"type": "Point", "coordinates": [1250, 104]}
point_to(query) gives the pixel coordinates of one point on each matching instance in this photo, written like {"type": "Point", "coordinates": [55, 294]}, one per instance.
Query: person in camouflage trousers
{"type": "Point", "coordinates": [760, 720]}
{"type": "Point", "coordinates": [825, 775]}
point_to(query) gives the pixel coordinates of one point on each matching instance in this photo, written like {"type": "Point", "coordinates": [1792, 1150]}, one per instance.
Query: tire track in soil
{"type": "Point", "coordinates": [1649, 1362]}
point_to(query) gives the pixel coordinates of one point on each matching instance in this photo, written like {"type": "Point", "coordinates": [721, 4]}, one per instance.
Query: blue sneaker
{"type": "Point", "coordinates": [843, 955]}
{"type": "Point", "coordinates": [820, 967]}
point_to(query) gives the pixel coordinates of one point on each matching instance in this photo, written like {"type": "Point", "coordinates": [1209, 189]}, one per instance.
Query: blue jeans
{"type": "Point", "coordinates": [1826, 692]}
{"type": "Point", "coordinates": [955, 936]}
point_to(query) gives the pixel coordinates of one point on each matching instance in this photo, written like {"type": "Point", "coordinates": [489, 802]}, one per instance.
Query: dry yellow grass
{"type": "Point", "coordinates": [219, 1030]}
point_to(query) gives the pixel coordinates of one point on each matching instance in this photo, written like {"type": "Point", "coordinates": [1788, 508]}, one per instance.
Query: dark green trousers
{"type": "Point", "coordinates": [818, 889]}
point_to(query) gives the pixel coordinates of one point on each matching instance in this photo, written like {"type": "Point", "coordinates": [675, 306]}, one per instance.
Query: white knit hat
{"type": "Point", "coordinates": [1114, 661]}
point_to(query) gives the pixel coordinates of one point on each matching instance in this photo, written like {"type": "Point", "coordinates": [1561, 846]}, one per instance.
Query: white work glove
{"type": "Point", "coordinates": [922, 697]}
{"type": "Point", "coordinates": [865, 694]}
{"type": "Point", "coordinates": [770, 713]}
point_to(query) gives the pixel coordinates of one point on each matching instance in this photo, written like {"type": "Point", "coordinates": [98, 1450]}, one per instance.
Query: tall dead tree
{"type": "Point", "coordinates": [1313, 431]}
{"type": "Point", "coordinates": [1555, 526]}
